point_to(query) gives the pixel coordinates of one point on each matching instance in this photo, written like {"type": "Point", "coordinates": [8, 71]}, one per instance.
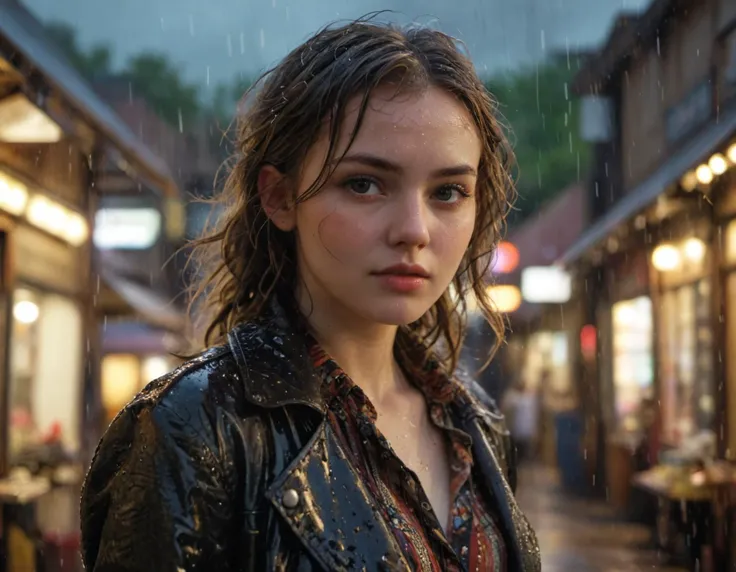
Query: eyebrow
{"type": "Point", "coordinates": [387, 165]}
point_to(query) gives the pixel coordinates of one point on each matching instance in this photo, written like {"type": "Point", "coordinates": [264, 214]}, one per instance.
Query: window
{"type": "Point", "coordinates": [45, 372]}
{"type": "Point", "coordinates": [633, 372]}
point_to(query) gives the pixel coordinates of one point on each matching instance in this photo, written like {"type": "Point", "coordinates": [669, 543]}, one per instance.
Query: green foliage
{"type": "Point", "coordinates": [226, 98]}
{"type": "Point", "coordinates": [544, 129]}
{"type": "Point", "coordinates": [92, 64]}
{"type": "Point", "coordinates": [155, 79]}
{"type": "Point", "coordinates": [151, 75]}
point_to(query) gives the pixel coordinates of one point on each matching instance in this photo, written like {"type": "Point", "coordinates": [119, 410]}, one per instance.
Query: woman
{"type": "Point", "coordinates": [371, 176]}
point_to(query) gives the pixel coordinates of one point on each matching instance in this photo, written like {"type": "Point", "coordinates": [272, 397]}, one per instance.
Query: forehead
{"type": "Point", "coordinates": [400, 122]}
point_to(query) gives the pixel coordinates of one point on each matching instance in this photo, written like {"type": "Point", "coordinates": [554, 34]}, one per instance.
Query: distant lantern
{"type": "Point", "coordinates": [505, 297]}
{"type": "Point", "coordinates": [505, 259]}
{"type": "Point", "coordinates": [588, 341]}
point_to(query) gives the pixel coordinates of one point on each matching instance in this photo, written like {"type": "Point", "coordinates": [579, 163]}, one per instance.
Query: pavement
{"type": "Point", "coordinates": [580, 535]}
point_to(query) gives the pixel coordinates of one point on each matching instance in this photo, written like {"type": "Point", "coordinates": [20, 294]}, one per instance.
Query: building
{"type": "Point", "coordinates": [655, 263]}
{"type": "Point", "coordinates": [139, 242]}
{"type": "Point", "coordinates": [61, 150]}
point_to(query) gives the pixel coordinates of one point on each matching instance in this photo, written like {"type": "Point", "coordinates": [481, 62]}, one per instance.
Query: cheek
{"type": "Point", "coordinates": [337, 233]}
{"type": "Point", "coordinates": [454, 237]}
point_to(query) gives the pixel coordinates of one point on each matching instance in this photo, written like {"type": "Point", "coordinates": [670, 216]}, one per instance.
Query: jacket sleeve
{"type": "Point", "coordinates": [155, 498]}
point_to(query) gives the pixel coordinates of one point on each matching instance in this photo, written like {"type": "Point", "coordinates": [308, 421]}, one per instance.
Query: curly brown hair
{"type": "Point", "coordinates": [246, 260]}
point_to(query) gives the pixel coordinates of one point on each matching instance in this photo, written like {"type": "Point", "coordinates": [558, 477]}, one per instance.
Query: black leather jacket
{"type": "Point", "coordinates": [227, 464]}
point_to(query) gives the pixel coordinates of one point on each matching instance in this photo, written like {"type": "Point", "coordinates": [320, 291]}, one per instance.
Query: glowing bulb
{"type": "Point", "coordinates": [689, 181]}
{"type": "Point", "coordinates": [666, 257]}
{"type": "Point", "coordinates": [704, 174]}
{"type": "Point", "coordinates": [731, 153]}
{"type": "Point", "coordinates": [718, 164]}
{"type": "Point", "coordinates": [694, 249]}
{"type": "Point", "coordinates": [26, 312]}
{"type": "Point", "coordinates": [75, 231]}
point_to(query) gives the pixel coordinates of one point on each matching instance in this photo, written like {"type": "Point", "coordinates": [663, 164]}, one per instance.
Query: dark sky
{"type": "Point", "coordinates": [213, 40]}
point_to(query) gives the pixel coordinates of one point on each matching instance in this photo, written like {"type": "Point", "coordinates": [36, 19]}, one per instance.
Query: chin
{"type": "Point", "coordinates": [397, 313]}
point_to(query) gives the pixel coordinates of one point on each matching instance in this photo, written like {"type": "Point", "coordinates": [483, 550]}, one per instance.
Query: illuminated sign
{"type": "Point", "coordinates": [505, 259]}
{"type": "Point", "coordinates": [127, 229]}
{"type": "Point", "coordinates": [545, 285]}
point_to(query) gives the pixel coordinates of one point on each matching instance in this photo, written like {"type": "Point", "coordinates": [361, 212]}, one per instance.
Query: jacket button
{"type": "Point", "coordinates": [290, 498]}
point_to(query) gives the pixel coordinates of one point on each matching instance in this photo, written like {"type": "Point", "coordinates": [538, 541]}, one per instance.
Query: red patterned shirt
{"type": "Point", "coordinates": [474, 541]}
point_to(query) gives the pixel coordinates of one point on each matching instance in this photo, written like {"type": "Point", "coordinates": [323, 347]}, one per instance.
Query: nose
{"type": "Point", "coordinates": [410, 221]}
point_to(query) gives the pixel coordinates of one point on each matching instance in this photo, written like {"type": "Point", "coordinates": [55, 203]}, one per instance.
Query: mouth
{"type": "Point", "coordinates": [405, 270]}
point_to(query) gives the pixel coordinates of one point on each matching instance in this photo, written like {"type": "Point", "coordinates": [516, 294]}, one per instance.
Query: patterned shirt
{"type": "Point", "coordinates": [474, 541]}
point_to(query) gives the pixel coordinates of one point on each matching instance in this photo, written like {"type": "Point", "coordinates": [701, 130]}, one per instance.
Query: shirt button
{"type": "Point", "coordinates": [290, 498]}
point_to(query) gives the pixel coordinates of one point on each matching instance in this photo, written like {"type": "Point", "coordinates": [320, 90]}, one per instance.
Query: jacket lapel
{"type": "Point", "coordinates": [522, 540]}
{"type": "Point", "coordinates": [344, 532]}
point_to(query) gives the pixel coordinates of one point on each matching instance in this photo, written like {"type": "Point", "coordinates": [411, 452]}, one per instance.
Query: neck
{"type": "Point", "coordinates": [364, 350]}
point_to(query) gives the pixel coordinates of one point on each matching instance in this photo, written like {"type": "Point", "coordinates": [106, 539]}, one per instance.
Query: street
{"type": "Point", "coordinates": [582, 535]}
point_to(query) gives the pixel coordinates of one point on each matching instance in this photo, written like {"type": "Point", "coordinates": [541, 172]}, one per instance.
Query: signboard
{"type": "Point", "coordinates": [127, 228]}
{"type": "Point", "coordinates": [691, 112]}
{"type": "Point", "coordinates": [545, 285]}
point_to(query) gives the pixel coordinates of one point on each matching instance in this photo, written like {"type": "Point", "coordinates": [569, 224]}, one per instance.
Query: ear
{"type": "Point", "coordinates": [275, 193]}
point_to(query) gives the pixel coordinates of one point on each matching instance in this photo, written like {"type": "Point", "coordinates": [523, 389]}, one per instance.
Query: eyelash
{"type": "Point", "coordinates": [363, 179]}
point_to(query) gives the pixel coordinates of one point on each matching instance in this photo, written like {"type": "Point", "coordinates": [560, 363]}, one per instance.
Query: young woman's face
{"type": "Point", "coordinates": [385, 236]}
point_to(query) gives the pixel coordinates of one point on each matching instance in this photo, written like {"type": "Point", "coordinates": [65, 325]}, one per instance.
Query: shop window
{"type": "Point", "coordinates": [120, 382]}
{"type": "Point", "coordinates": [730, 244]}
{"type": "Point", "coordinates": [124, 375]}
{"type": "Point", "coordinates": [686, 361]}
{"type": "Point", "coordinates": [45, 375]}
{"type": "Point", "coordinates": [632, 360]}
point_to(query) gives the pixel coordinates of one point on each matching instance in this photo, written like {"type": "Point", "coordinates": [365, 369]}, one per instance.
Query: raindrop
{"type": "Point", "coordinates": [263, 38]}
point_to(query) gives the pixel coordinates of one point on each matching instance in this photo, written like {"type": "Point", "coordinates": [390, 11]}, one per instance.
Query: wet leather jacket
{"type": "Point", "coordinates": [228, 464]}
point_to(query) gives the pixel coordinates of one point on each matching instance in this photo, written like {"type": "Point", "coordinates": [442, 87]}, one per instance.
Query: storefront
{"type": "Point", "coordinates": [58, 143]}
{"type": "Point", "coordinates": [46, 252]}
{"type": "Point", "coordinates": [682, 265]}
{"type": "Point", "coordinates": [726, 274]}
{"type": "Point", "coordinates": [626, 366]}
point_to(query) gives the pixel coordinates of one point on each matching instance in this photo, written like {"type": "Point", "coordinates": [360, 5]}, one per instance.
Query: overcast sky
{"type": "Point", "coordinates": [213, 40]}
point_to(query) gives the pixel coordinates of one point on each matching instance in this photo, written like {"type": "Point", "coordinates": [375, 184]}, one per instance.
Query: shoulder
{"type": "Point", "coordinates": [206, 380]}
{"type": "Point", "coordinates": [175, 410]}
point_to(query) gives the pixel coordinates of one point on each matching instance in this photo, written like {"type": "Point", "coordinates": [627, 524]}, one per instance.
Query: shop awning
{"type": "Point", "coordinates": [647, 192]}
{"type": "Point", "coordinates": [151, 306]}
{"type": "Point", "coordinates": [130, 337]}
{"type": "Point", "coordinates": [26, 35]}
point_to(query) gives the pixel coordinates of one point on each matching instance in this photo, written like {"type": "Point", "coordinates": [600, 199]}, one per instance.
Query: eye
{"type": "Point", "coordinates": [362, 186]}
{"type": "Point", "coordinates": [451, 193]}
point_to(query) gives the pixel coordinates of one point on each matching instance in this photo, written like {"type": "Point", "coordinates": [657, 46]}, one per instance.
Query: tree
{"type": "Point", "coordinates": [227, 96]}
{"type": "Point", "coordinates": [544, 122]}
{"type": "Point", "coordinates": [92, 64]}
{"type": "Point", "coordinates": [157, 81]}
{"type": "Point", "coordinates": [151, 75]}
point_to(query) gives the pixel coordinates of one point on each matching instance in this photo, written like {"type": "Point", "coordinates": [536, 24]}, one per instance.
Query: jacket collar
{"type": "Point", "coordinates": [274, 363]}
{"type": "Point", "coordinates": [276, 368]}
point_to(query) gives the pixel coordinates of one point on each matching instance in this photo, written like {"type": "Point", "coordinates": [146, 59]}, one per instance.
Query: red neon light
{"type": "Point", "coordinates": [588, 340]}
{"type": "Point", "coordinates": [505, 259]}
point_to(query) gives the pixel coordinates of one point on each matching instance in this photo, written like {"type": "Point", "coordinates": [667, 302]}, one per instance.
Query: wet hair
{"type": "Point", "coordinates": [246, 260]}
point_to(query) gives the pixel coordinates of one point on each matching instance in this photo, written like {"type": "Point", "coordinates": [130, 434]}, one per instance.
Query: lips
{"type": "Point", "coordinates": [409, 270]}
